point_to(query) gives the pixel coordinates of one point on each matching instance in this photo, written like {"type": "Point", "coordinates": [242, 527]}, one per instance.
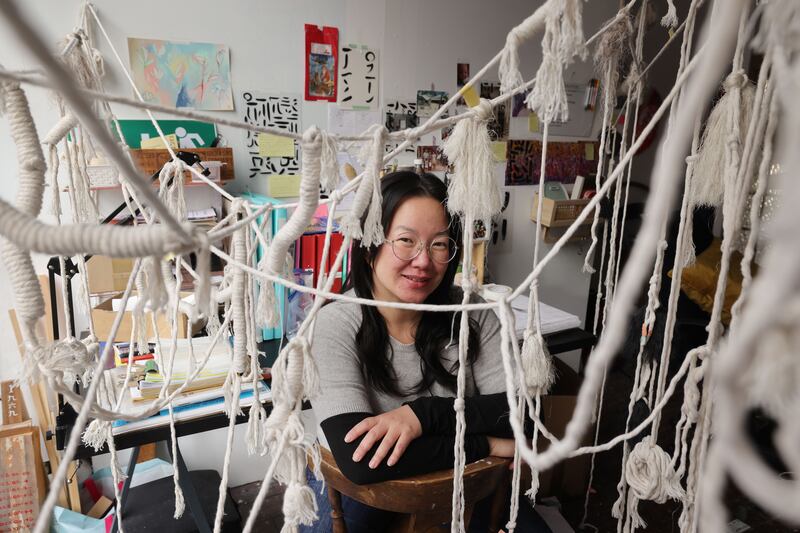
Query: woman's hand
{"type": "Point", "coordinates": [397, 428]}
{"type": "Point", "coordinates": [501, 447]}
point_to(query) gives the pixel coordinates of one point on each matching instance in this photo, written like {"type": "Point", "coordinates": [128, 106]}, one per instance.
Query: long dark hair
{"type": "Point", "coordinates": [435, 329]}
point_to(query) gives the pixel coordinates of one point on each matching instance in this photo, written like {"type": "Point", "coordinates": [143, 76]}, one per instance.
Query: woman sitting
{"type": "Point", "coordinates": [388, 375]}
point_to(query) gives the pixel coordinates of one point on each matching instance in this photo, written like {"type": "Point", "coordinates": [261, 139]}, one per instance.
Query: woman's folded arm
{"type": "Point", "coordinates": [427, 453]}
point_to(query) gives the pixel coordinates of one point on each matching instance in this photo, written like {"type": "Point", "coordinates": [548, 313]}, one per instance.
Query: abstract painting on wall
{"type": "Point", "coordinates": [564, 161]}
{"type": "Point", "coordinates": [182, 74]}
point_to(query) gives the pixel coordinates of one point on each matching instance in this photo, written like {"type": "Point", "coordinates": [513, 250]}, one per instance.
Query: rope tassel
{"type": "Point", "coordinates": [708, 178]}
{"type": "Point", "coordinates": [563, 39]}
{"type": "Point", "coordinates": [473, 188]}
{"type": "Point", "coordinates": [368, 195]}
{"type": "Point", "coordinates": [537, 364]}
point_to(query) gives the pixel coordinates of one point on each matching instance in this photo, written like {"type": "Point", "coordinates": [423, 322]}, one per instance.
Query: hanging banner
{"type": "Point", "coordinates": [322, 52]}
{"type": "Point", "coordinates": [359, 78]}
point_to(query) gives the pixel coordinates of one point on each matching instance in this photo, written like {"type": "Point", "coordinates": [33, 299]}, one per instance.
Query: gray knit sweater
{"type": "Point", "coordinates": [344, 390]}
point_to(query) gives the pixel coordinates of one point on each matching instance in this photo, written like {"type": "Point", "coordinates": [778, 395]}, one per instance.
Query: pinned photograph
{"type": "Point", "coordinates": [428, 102]}
{"type": "Point", "coordinates": [433, 158]}
{"type": "Point", "coordinates": [322, 51]}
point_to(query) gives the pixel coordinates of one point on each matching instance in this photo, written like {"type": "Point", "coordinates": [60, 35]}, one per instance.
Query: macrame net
{"type": "Point", "coordinates": [724, 161]}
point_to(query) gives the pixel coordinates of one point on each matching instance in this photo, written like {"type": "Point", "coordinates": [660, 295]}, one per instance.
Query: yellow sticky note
{"type": "Point", "coordinates": [470, 96]}
{"type": "Point", "coordinates": [270, 145]}
{"type": "Point", "coordinates": [589, 148]}
{"type": "Point", "coordinates": [156, 143]}
{"type": "Point", "coordinates": [499, 150]}
{"type": "Point", "coordinates": [284, 186]}
{"type": "Point", "coordinates": [533, 122]}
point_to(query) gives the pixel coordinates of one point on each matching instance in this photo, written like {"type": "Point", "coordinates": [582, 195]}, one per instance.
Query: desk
{"type": "Point", "coordinates": [569, 339]}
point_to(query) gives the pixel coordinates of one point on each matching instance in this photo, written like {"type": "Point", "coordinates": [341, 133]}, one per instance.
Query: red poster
{"type": "Point", "coordinates": [322, 55]}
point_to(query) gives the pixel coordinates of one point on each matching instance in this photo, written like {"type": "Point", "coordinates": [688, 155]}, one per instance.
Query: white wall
{"type": "Point", "coordinates": [419, 44]}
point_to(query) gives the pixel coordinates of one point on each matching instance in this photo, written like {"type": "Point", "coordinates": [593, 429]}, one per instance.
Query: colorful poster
{"type": "Point", "coordinates": [182, 74]}
{"type": "Point", "coordinates": [276, 111]}
{"type": "Point", "coordinates": [359, 78]}
{"type": "Point", "coordinates": [428, 102]}
{"type": "Point", "coordinates": [322, 51]}
{"type": "Point", "coordinates": [189, 133]}
{"type": "Point", "coordinates": [564, 161]}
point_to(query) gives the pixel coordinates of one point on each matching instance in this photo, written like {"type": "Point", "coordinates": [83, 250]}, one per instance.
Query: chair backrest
{"type": "Point", "coordinates": [425, 499]}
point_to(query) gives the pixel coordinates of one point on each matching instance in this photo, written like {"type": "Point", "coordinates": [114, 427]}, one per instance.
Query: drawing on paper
{"type": "Point", "coordinates": [196, 75]}
{"type": "Point", "coordinates": [271, 110]}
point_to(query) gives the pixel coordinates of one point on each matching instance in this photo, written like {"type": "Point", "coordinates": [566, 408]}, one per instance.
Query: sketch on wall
{"type": "Point", "coordinates": [272, 110]}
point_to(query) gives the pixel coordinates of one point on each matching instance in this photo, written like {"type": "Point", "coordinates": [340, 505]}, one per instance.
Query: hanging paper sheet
{"type": "Point", "coordinates": [196, 75]}
{"type": "Point", "coordinates": [564, 161]}
{"type": "Point", "coordinates": [343, 121]}
{"type": "Point", "coordinates": [272, 110]}
{"type": "Point", "coordinates": [322, 51]}
{"type": "Point", "coordinates": [401, 115]}
{"type": "Point", "coordinates": [359, 78]}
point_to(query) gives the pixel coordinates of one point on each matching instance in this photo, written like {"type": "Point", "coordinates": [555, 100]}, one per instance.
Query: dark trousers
{"type": "Point", "coordinates": [361, 518]}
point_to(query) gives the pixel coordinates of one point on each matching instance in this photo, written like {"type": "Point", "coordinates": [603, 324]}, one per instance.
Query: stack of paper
{"type": "Point", "coordinates": [553, 319]}
{"type": "Point", "coordinates": [191, 407]}
{"type": "Point", "coordinates": [204, 218]}
{"type": "Point", "coordinates": [212, 374]}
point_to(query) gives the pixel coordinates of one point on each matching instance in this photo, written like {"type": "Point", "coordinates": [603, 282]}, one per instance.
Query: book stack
{"type": "Point", "coordinates": [203, 218]}
{"type": "Point", "coordinates": [122, 351]}
{"type": "Point", "coordinates": [211, 376]}
{"type": "Point", "coordinates": [194, 405]}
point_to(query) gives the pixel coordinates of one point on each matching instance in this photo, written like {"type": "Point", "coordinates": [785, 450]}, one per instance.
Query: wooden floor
{"type": "Point", "coordinates": [270, 516]}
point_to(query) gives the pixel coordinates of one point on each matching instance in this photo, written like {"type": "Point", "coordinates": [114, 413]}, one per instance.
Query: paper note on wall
{"type": "Point", "coordinates": [157, 143]}
{"type": "Point", "coordinates": [358, 77]}
{"type": "Point", "coordinates": [589, 147]}
{"type": "Point", "coordinates": [533, 122]}
{"type": "Point", "coordinates": [284, 185]}
{"type": "Point", "coordinates": [470, 96]}
{"type": "Point", "coordinates": [270, 145]}
{"type": "Point", "coordinates": [343, 121]}
{"type": "Point", "coordinates": [499, 150]}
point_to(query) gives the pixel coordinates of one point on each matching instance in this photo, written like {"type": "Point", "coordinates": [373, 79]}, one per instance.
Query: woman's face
{"type": "Point", "coordinates": [421, 219]}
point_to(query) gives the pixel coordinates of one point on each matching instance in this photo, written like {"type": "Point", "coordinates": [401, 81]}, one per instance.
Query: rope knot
{"type": "Point", "coordinates": [515, 37]}
{"type": "Point", "coordinates": [458, 405]}
{"type": "Point", "coordinates": [737, 78]}
{"type": "Point", "coordinates": [650, 474]}
{"type": "Point", "coordinates": [483, 111]}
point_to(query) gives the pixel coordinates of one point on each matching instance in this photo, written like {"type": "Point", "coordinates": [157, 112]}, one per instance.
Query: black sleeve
{"type": "Point", "coordinates": [486, 414]}
{"type": "Point", "coordinates": [427, 453]}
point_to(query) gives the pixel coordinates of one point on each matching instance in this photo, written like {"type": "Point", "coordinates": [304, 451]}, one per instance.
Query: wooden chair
{"type": "Point", "coordinates": [423, 501]}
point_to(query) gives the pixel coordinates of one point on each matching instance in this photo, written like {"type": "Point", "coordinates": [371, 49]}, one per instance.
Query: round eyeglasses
{"type": "Point", "coordinates": [441, 249]}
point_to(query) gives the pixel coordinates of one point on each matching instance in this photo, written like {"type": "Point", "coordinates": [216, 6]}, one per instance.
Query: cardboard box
{"type": "Point", "coordinates": [568, 478]}
{"type": "Point", "coordinates": [107, 274]}
{"type": "Point", "coordinates": [103, 316]}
